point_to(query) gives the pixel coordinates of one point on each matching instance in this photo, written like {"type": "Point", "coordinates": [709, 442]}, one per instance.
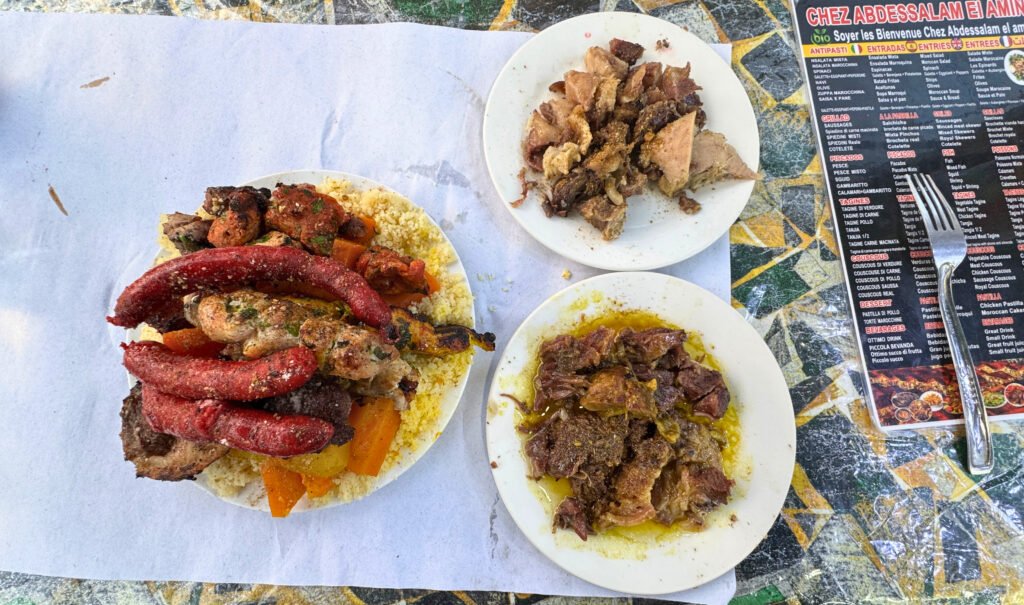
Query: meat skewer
{"type": "Point", "coordinates": [160, 289]}
{"type": "Point", "coordinates": [214, 420]}
{"type": "Point", "coordinates": [198, 378]}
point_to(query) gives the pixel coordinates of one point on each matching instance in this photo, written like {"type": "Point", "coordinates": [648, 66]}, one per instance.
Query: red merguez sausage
{"type": "Point", "coordinates": [230, 268]}
{"type": "Point", "coordinates": [200, 378]}
{"type": "Point", "coordinates": [234, 426]}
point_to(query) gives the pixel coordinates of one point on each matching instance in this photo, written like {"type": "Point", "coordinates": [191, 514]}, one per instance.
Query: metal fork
{"type": "Point", "coordinates": [949, 248]}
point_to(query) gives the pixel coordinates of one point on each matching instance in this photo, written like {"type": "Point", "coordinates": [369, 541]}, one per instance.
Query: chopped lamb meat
{"type": "Point", "coordinates": [714, 160]}
{"type": "Point", "coordinates": [614, 127]}
{"type": "Point", "coordinates": [629, 52]}
{"type": "Point", "coordinates": [676, 83]}
{"type": "Point", "coordinates": [616, 426]}
{"type": "Point", "coordinates": [581, 88]}
{"type": "Point", "coordinates": [615, 391]}
{"type": "Point", "coordinates": [609, 217]}
{"type": "Point", "coordinates": [159, 456]}
{"type": "Point", "coordinates": [670, 151]}
{"type": "Point", "coordinates": [571, 514]}
{"type": "Point", "coordinates": [631, 504]}
{"type": "Point", "coordinates": [604, 64]}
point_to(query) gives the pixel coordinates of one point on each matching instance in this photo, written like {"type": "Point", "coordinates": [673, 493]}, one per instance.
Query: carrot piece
{"type": "Point", "coordinates": [402, 300]}
{"type": "Point", "coordinates": [433, 285]}
{"type": "Point", "coordinates": [192, 341]}
{"type": "Point", "coordinates": [346, 252]}
{"type": "Point", "coordinates": [376, 424]}
{"type": "Point", "coordinates": [284, 488]}
{"type": "Point", "coordinates": [405, 299]}
{"type": "Point", "coordinates": [317, 486]}
{"type": "Point", "coordinates": [371, 229]}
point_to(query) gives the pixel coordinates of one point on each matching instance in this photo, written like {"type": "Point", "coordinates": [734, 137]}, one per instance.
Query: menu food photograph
{"type": "Point", "coordinates": [702, 301]}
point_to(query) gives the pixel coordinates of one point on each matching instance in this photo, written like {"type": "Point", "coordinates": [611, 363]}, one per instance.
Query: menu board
{"type": "Point", "coordinates": [937, 88]}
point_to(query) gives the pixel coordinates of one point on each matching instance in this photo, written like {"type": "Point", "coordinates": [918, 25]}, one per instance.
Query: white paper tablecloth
{"type": "Point", "coordinates": [190, 104]}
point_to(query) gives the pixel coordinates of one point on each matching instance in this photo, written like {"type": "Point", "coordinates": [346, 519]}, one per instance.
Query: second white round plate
{"type": "Point", "coordinates": [657, 233]}
{"type": "Point", "coordinates": [677, 560]}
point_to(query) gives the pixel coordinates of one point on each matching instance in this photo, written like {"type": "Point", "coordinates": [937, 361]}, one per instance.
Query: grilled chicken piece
{"type": "Point", "coordinates": [262, 324]}
{"type": "Point", "coordinates": [412, 333]}
{"type": "Point", "coordinates": [360, 355]}
{"type": "Point", "coordinates": [159, 456]}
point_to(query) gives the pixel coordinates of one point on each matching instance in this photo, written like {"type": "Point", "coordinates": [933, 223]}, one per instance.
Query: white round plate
{"type": "Point", "coordinates": [657, 232]}
{"type": "Point", "coordinates": [253, 495]}
{"type": "Point", "coordinates": [678, 560]}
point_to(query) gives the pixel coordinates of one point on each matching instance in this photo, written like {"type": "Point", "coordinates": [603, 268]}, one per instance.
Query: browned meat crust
{"type": "Point", "coordinates": [627, 51]}
{"type": "Point", "coordinates": [310, 217]}
{"type": "Point", "coordinates": [239, 220]}
{"type": "Point", "coordinates": [159, 456]}
{"type": "Point", "coordinates": [389, 272]}
{"type": "Point", "coordinates": [187, 232]}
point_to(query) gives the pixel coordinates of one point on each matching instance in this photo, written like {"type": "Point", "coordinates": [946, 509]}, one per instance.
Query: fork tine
{"type": "Point", "coordinates": [922, 206]}
{"type": "Point", "coordinates": [928, 197]}
{"type": "Point", "coordinates": [943, 203]}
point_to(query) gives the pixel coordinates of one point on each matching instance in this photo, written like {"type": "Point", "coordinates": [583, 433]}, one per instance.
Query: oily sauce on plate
{"type": "Point", "coordinates": [726, 430]}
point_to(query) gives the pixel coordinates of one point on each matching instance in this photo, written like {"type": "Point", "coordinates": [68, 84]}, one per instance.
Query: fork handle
{"type": "Point", "coordinates": [979, 440]}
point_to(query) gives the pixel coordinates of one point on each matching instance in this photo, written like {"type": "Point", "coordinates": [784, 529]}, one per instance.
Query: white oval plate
{"type": "Point", "coordinates": [766, 452]}
{"type": "Point", "coordinates": [657, 233]}
{"type": "Point", "coordinates": [253, 495]}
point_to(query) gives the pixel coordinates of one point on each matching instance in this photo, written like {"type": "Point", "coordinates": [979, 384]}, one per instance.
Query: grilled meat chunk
{"type": "Point", "coordinates": [360, 355]}
{"type": "Point", "coordinates": [615, 391]}
{"type": "Point", "coordinates": [671, 151]}
{"type": "Point", "coordinates": [159, 456]}
{"type": "Point", "coordinates": [609, 218]}
{"type": "Point", "coordinates": [617, 428]}
{"type": "Point", "coordinates": [187, 232]}
{"type": "Point", "coordinates": [321, 397]}
{"type": "Point", "coordinates": [310, 217]}
{"type": "Point", "coordinates": [714, 160]}
{"type": "Point", "coordinates": [570, 190]}
{"type": "Point", "coordinates": [629, 52]}
{"type": "Point", "coordinates": [412, 333]}
{"type": "Point", "coordinates": [631, 503]}
{"type": "Point", "coordinates": [389, 272]}
{"type": "Point", "coordinates": [603, 63]}
{"type": "Point", "coordinates": [239, 219]}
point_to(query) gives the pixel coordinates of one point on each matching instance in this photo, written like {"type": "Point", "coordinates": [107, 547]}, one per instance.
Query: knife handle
{"type": "Point", "coordinates": [979, 439]}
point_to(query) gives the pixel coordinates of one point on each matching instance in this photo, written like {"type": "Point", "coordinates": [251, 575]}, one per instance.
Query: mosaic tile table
{"type": "Point", "coordinates": [868, 519]}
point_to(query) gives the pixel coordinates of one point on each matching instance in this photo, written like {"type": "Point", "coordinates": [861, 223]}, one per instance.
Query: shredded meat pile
{"type": "Point", "coordinates": [617, 126]}
{"type": "Point", "coordinates": [619, 406]}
